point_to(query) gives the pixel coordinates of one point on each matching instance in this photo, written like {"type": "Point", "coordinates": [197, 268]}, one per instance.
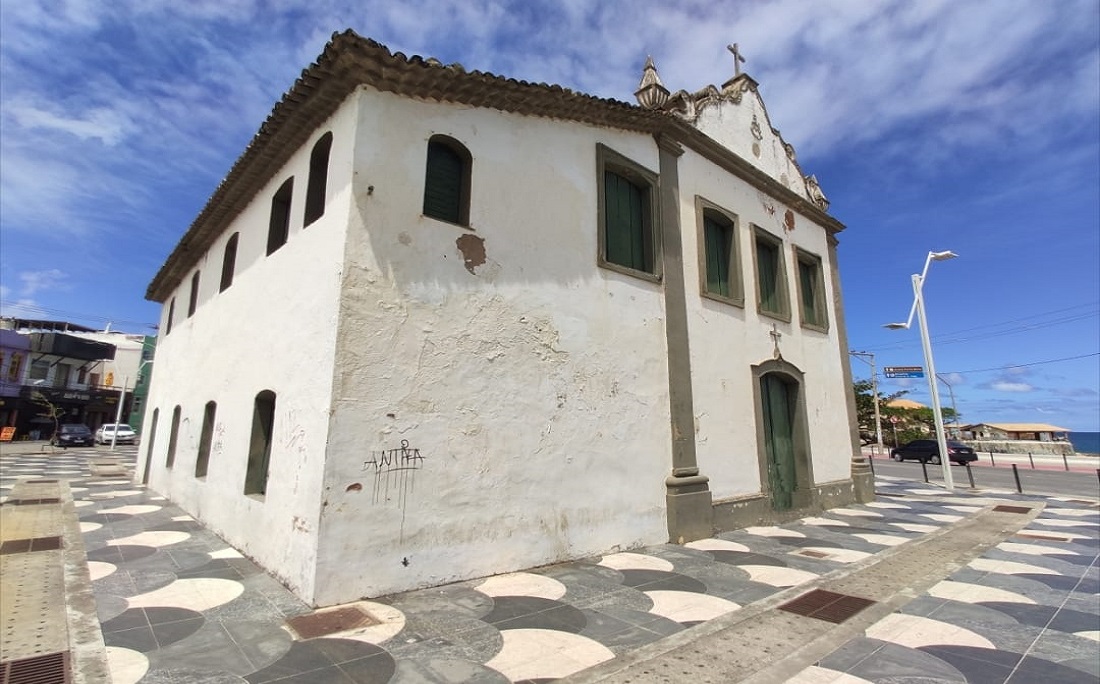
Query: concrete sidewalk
{"type": "Point", "coordinates": [959, 591]}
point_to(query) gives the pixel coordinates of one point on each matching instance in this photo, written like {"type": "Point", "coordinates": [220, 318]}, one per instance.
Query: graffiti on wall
{"type": "Point", "coordinates": [394, 475]}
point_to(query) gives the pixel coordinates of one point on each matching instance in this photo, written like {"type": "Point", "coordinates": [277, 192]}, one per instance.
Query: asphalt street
{"type": "Point", "coordinates": [1081, 483]}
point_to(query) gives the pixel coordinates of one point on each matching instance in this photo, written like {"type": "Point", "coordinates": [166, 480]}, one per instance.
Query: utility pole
{"type": "Point", "coordinates": [874, 391]}
{"type": "Point", "coordinates": [951, 391]}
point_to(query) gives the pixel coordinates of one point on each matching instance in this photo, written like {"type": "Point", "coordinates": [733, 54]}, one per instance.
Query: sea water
{"type": "Point", "coordinates": [1085, 442]}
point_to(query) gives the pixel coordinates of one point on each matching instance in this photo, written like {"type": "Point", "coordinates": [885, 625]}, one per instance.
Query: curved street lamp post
{"type": "Point", "coordinates": [930, 370]}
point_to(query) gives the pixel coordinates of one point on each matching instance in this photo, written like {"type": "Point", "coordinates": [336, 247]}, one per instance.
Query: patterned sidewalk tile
{"type": "Point", "coordinates": [177, 605]}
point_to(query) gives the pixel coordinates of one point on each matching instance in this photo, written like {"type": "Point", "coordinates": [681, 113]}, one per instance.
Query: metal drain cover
{"type": "Point", "coordinates": [330, 622]}
{"type": "Point", "coordinates": [26, 545]}
{"type": "Point", "coordinates": [52, 668]}
{"type": "Point", "coordinates": [826, 605]}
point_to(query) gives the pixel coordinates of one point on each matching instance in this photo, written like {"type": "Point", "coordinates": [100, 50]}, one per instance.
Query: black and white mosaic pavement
{"type": "Point", "coordinates": [177, 604]}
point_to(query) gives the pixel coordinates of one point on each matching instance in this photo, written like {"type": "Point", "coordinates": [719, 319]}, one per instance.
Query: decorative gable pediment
{"type": "Point", "coordinates": [734, 116]}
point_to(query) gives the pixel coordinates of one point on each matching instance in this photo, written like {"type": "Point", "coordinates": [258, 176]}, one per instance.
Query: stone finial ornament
{"type": "Point", "coordinates": [651, 93]}
{"type": "Point", "coordinates": [813, 189]}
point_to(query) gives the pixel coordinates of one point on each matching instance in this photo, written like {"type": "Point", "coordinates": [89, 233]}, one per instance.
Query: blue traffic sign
{"type": "Point", "coordinates": [903, 371]}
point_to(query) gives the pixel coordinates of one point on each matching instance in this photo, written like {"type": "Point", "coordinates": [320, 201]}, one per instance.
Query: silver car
{"type": "Point", "coordinates": [124, 434]}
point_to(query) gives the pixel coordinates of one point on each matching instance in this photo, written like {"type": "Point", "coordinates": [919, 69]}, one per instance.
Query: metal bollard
{"type": "Point", "coordinates": [991, 461]}
{"type": "Point", "coordinates": [970, 475]}
{"type": "Point", "coordinates": [1031, 459]}
{"type": "Point", "coordinates": [1065, 461]}
{"type": "Point", "coordinates": [871, 462]}
{"type": "Point", "coordinates": [1016, 474]}
{"type": "Point", "coordinates": [924, 467]}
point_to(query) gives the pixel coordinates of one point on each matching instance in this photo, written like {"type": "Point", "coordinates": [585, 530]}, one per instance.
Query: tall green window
{"type": "Point", "coordinates": [206, 436]}
{"type": "Point", "coordinates": [447, 181]}
{"type": "Point", "coordinates": [719, 263]}
{"type": "Point", "coordinates": [771, 277]}
{"type": "Point", "coordinates": [173, 438]}
{"type": "Point", "coordinates": [318, 179]}
{"type": "Point", "coordinates": [259, 446]}
{"type": "Point", "coordinates": [811, 290]}
{"type": "Point", "coordinates": [278, 227]}
{"type": "Point", "coordinates": [627, 199]}
{"type": "Point", "coordinates": [628, 240]}
{"type": "Point", "coordinates": [718, 242]}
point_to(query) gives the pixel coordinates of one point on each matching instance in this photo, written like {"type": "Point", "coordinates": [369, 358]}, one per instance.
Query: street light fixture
{"type": "Point", "coordinates": [930, 370]}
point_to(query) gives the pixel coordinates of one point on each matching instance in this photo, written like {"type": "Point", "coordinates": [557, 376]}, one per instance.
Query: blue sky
{"type": "Point", "coordinates": [931, 125]}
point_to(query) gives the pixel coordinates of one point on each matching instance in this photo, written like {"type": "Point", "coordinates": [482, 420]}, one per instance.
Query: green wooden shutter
{"type": "Point", "coordinates": [443, 183]}
{"type": "Point", "coordinates": [717, 239]}
{"type": "Point", "coordinates": [625, 240]}
{"type": "Point", "coordinates": [767, 269]}
{"type": "Point", "coordinates": [807, 275]}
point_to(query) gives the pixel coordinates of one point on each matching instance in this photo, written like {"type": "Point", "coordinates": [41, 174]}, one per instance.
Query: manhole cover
{"type": "Point", "coordinates": [826, 605]}
{"type": "Point", "coordinates": [330, 622]}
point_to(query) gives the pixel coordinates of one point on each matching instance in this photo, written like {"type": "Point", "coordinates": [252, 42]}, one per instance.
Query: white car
{"type": "Point", "coordinates": [123, 435]}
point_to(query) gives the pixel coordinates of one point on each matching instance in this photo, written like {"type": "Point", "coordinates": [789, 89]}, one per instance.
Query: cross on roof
{"type": "Point", "coordinates": [737, 59]}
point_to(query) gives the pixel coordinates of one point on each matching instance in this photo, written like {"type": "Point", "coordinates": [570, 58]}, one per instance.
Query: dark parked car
{"type": "Point", "coordinates": [73, 434]}
{"type": "Point", "coordinates": [928, 451]}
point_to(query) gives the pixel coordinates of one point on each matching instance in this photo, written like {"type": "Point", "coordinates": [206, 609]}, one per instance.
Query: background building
{"type": "Point", "coordinates": [83, 371]}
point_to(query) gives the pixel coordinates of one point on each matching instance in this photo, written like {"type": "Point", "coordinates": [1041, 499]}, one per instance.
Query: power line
{"type": "Point", "coordinates": [951, 337]}
{"type": "Point", "coordinates": [46, 311]}
{"type": "Point", "coordinates": [1023, 365]}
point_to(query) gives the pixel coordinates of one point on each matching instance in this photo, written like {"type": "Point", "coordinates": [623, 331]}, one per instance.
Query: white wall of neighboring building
{"type": "Point", "coordinates": [272, 329]}
{"type": "Point", "coordinates": [534, 388]}
{"type": "Point", "coordinates": [124, 367]}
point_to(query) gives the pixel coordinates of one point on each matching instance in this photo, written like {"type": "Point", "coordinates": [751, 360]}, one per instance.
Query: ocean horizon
{"type": "Point", "coordinates": [1085, 442]}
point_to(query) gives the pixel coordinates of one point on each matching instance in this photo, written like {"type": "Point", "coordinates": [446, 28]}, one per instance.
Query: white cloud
{"type": "Point", "coordinates": [1005, 386]}
{"type": "Point", "coordinates": [34, 281]}
{"type": "Point", "coordinates": [106, 125]}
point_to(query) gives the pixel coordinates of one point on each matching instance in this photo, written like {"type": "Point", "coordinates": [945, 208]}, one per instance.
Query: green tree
{"type": "Point", "coordinates": [865, 411]}
{"type": "Point", "coordinates": [52, 411]}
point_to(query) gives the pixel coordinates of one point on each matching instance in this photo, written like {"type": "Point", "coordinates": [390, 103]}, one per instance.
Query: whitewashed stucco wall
{"type": "Point", "coordinates": [272, 329]}
{"type": "Point", "coordinates": [726, 340]}
{"type": "Point", "coordinates": [535, 387]}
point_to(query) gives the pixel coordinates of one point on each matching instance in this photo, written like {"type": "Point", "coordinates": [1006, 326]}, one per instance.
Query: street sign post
{"type": "Point", "coordinates": [903, 371]}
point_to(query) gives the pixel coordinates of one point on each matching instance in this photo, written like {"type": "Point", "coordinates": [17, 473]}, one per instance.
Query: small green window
{"type": "Point", "coordinates": [628, 239]}
{"type": "Point", "coordinates": [811, 290]}
{"type": "Point", "coordinates": [771, 278]}
{"type": "Point", "coordinates": [718, 243]}
{"type": "Point", "coordinates": [447, 181]}
{"type": "Point", "coordinates": [628, 217]}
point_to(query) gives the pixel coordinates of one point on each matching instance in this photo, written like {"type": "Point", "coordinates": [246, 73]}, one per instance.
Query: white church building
{"type": "Point", "coordinates": [438, 324]}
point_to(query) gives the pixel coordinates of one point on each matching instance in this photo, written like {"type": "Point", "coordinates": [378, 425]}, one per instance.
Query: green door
{"type": "Point", "coordinates": [777, 398]}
